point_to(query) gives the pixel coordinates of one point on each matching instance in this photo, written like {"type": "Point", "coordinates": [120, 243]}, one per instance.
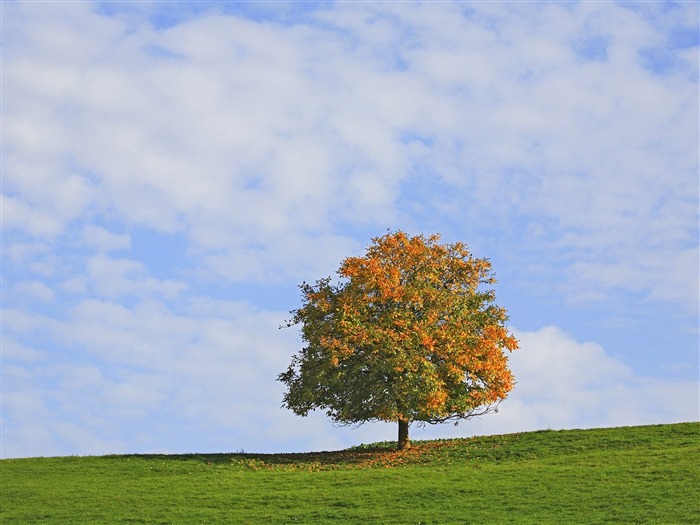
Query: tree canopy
{"type": "Point", "coordinates": [407, 334]}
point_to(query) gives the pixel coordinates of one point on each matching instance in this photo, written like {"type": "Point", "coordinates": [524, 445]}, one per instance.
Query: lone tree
{"type": "Point", "coordinates": [406, 336]}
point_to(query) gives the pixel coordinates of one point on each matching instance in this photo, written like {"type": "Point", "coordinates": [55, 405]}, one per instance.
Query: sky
{"type": "Point", "coordinates": [171, 172]}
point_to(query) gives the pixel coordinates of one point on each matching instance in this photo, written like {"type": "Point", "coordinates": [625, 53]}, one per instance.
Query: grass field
{"type": "Point", "coordinates": [648, 474]}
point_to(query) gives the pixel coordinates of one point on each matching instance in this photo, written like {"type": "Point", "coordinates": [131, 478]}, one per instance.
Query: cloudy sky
{"type": "Point", "coordinates": [172, 171]}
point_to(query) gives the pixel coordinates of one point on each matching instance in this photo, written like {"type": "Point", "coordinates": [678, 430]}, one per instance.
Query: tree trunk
{"type": "Point", "coordinates": [404, 442]}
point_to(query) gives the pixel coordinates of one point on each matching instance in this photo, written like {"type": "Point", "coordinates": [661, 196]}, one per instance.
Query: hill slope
{"type": "Point", "coordinates": [646, 474]}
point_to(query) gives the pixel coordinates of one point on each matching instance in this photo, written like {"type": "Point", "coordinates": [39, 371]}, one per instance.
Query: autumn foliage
{"type": "Point", "coordinates": [407, 335]}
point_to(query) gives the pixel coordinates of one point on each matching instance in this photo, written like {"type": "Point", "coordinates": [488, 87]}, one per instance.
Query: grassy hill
{"type": "Point", "coordinates": [647, 474]}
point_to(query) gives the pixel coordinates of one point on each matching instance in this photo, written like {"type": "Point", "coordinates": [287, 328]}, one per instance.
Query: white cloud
{"type": "Point", "coordinates": [305, 122]}
{"type": "Point", "coordinates": [213, 370]}
{"type": "Point", "coordinates": [103, 239]}
{"type": "Point", "coordinates": [13, 351]}
{"type": "Point", "coordinates": [116, 278]}
{"type": "Point", "coordinates": [673, 277]}
{"type": "Point", "coordinates": [563, 383]}
{"type": "Point", "coordinates": [18, 214]}
{"type": "Point", "coordinates": [29, 440]}
{"type": "Point", "coordinates": [34, 290]}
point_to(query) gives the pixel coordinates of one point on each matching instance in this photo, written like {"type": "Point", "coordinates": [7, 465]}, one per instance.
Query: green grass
{"type": "Point", "coordinates": [648, 474]}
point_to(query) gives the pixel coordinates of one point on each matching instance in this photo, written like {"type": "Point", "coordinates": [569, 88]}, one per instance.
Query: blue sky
{"type": "Point", "coordinates": [172, 171]}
